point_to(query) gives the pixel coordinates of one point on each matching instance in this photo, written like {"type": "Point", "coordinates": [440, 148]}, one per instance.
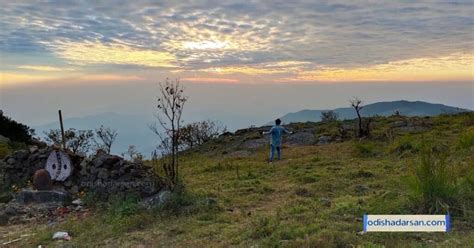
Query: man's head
{"type": "Point", "coordinates": [277, 122]}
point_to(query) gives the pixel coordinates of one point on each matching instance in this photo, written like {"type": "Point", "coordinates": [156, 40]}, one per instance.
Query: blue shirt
{"type": "Point", "coordinates": [276, 132]}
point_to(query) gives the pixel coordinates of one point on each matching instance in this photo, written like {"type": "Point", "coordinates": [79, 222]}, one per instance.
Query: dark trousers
{"type": "Point", "coordinates": [272, 152]}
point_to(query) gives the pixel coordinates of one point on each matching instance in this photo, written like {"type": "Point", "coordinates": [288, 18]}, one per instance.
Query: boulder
{"type": "Point", "coordinates": [42, 180]}
{"type": "Point", "coordinates": [254, 144]}
{"type": "Point", "coordinates": [4, 219]}
{"type": "Point", "coordinates": [11, 160]}
{"type": "Point", "coordinates": [156, 200]}
{"type": "Point", "coordinates": [301, 138]}
{"type": "Point", "coordinates": [324, 140]}
{"type": "Point", "coordinates": [26, 196]}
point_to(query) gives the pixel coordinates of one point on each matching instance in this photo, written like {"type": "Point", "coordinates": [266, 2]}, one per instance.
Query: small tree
{"type": "Point", "coordinates": [356, 103]}
{"type": "Point", "coordinates": [105, 138]}
{"type": "Point", "coordinates": [78, 141]}
{"type": "Point", "coordinates": [329, 116]}
{"type": "Point", "coordinates": [198, 133]}
{"type": "Point", "coordinates": [170, 103]}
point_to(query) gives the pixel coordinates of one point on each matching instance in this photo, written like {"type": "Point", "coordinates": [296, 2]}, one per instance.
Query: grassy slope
{"type": "Point", "coordinates": [314, 197]}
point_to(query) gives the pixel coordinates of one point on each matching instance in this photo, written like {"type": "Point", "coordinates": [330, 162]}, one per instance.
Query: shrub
{"type": "Point", "coordinates": [329, 116]}
{"type": "Point", "coordinates": [15, 131]}
{"type": "Point", "coordinates": [432, 183]}
{"type": "Point", "coordinates": [404, 144]}
{"type": "Point", "coordinates": [466, 140]}
{"type": "Point", "coordinates": [122, 206]}
{"type": "Point", "coordinates": [364, 149]}
{"type": "Point", "coordinates": [4, 150]}
{"type": "Point", "coordinates": [262, 227]}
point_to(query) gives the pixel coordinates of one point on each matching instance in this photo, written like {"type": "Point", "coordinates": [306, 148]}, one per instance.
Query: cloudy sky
{"type": "Point", "coordinates": [59, 50]}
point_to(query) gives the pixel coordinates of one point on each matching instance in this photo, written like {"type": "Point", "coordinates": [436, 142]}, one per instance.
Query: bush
{"type": "Point", "coordinates": [120, 207]}
{"type": "Point", "coordinates": [404, 144]}
{"type": "Point", "coordinates": [364, 149]}
{"type": "Point", "coordinates": [329, 116]}
{"type": "Point", "coordinates": [432, 183]}
{"type": "Point", "coordinates": [262, 227]}
{"type": "Point", "coordinates": [466, 140]}
{"type": "Point", "coordinates": [15, 131]}
{"type": "Point", "coordinates": [4, 150]}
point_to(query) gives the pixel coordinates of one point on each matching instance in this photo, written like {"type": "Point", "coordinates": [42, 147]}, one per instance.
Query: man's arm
{"type": "Point", "coordinates": [269, 132]}
{"type": "Point", "coordinates": [287, 131]}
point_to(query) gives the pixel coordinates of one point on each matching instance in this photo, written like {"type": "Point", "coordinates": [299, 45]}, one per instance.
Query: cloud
{"type": "Point", "coordinates": [452, 67]}
{"type": "Point", "coordinates": [44, 68]}
{"type": "Point", "coordinates": [110, 77]}
{"type": "Point", "coordinates": [85, 53]}
{"type": "Point", "coordinates": [8, 78]}
{"type": "Point", "coordinates": [235, 37]}
{"type": "Point", "coordinates": [209, 80]}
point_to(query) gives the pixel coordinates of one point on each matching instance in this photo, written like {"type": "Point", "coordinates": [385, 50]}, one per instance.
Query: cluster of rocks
{"type": "Point", "coordinates": [103, 173]}
{"type": "Point", "coordinates": [19, 167]}
{"type": "Point", "coordinates": [110, 174]}
{"type": "Point", "coordinates": [16, 212]}
{"type": "Point", "coordinates": [411, 125]}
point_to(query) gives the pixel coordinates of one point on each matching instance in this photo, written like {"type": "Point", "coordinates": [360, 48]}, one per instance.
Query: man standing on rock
{"type": "Point", "coordinates": [275, 143]}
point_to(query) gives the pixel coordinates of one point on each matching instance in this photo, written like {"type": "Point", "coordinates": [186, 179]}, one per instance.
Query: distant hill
{"type": "Point", "coordinates": [406, 108]}
{"type": "Point", "coordinates": [132, 129]}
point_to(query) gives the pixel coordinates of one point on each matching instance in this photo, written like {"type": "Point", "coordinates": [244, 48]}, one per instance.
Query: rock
{"type": "Point", "coordinates": [103, 174]}
{"type": "Point", "coordinates": [33, 149]}
{"type": "Point", "coordinates": [4, 219]}
{"type": "Point", "coordinates": [254, 144]}
{"type": "Point", "coordinates": [68, 182]}
{"type": "Point", "coordinates": [5, 197]}
{"type": "Point", "coordinates": [325, 201]}
{"type": "Point", "coordinates": [11, 160]}
{"type": "Point", "coordinates": [61, 236]}
{"type": "Point", "coordinates": [42, 180]}
{"type": "Point", "coordinates": [46, 196]}
{"type": "Point", "coordinates": [10, 210]}
{"type": "Point", "coordinates": [156, 200]}
{"type": "Point", "coordinates": [301, 138]}
{"type": "Point", "coordinates": [74, 189]}
{"type": "Point", "coordinates": [77, 202]}
{"type": "Point", "coordinates": [324, 140]}
{"type": "Point", "coordinates": [84, 172]}
{"type": "Point", "coordinates": [398, 124]}
{"type": "Point", "coordinates": [361, 189]}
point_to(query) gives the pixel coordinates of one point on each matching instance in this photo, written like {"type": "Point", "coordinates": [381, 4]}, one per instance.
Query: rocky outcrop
{"type": "Point", "coordinates": [102, 173]}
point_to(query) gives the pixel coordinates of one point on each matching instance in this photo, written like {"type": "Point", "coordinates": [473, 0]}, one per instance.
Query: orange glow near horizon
{"type": "Point", "coordinates": [459, 66]}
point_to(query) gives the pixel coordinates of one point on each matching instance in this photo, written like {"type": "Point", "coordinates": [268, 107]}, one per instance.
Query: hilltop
{"type": "Point", "coordinates": [315, 196]}
{"type": "Point", "coordinates": [407, 108]}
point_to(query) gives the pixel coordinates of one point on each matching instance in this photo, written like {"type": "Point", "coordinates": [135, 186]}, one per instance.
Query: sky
{"type": "Point", "coordinates": [242, 62]}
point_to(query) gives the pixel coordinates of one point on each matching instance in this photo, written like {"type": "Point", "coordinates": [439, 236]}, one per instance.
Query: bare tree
{"type": "Point", "coordinates": [356, 103]}
{"type": "Point", "coordinates": [170, 103]}
{"type": "Point", "coordinates": [362, 130]}
{"type": "Point", "coordinates": [78, 141]}
{"type": "Point", "coordinates": [328, 116]}
{"type": "Point", "coordinates": [105, 138]}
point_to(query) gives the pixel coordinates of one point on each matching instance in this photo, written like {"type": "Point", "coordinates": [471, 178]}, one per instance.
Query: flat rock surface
{"type": "Point", "coordinates": [27, 196]}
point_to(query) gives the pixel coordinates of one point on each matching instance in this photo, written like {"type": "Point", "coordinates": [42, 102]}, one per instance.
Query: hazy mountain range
{"type": "Point", "coordinates": [406, 108]}
{"type": "Point", "coordinates": [134, 130]}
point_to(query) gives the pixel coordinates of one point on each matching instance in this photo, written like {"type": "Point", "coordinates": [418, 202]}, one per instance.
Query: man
{"type": "Point", "coordinates": [275, 143]}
